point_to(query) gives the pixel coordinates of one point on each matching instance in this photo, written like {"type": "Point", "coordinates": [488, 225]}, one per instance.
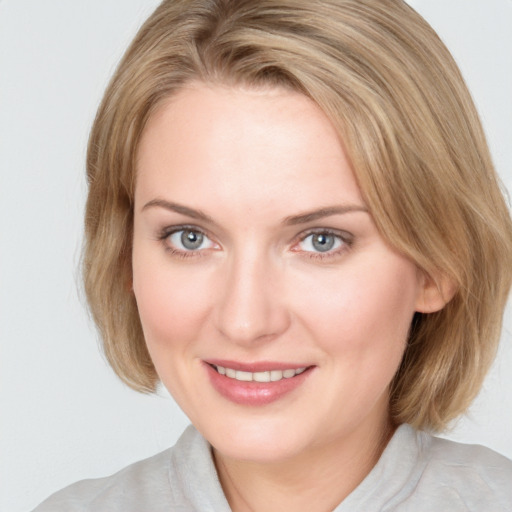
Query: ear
{"type": "Point", "coordinates": [434, 293]}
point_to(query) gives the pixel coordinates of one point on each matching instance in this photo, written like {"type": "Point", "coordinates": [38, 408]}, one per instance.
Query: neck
{"type": "Point", "coordinates": [318, 479]}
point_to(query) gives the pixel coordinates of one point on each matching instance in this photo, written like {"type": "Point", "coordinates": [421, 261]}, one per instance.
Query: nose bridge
{"type": "Point", "coordinates": [250, 306]}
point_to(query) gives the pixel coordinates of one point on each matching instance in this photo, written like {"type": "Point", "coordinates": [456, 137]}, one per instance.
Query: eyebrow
{"type": "Point", "coordinates": [178, 208]}
{"type": "Point", "coordinates": [293, 220]}
{"type": "Point", "coordinates": [313, 215]}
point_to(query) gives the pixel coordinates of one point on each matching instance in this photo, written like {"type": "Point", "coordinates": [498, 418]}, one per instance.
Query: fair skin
{"type": "Point", "coordinates": [253, 250]}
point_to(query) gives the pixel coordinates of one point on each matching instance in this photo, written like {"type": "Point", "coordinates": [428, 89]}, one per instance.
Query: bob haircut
{"type": "Point", "coordinates": [410, 130]}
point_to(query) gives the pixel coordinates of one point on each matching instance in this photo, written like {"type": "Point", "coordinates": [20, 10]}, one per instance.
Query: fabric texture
{"type": "Point", "coordinates": [416, 473]}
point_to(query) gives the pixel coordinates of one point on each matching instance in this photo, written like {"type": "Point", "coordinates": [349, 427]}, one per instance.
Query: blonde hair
{"type": "Point", "coordinates": [409, 127]}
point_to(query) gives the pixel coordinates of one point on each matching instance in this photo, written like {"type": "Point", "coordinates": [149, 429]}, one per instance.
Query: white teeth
{"type": "Point", "coordinates": [261, 376]}
{"type": "Point", "coordinates": [276, 375]}
{"type": "Point", "coordinates": [268, 376]}
{"type": "Point", "coordinates": [245, 376]}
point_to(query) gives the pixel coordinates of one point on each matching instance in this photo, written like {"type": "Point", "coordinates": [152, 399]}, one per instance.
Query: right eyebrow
{"type": "Point", "coordinates": [178, 208]}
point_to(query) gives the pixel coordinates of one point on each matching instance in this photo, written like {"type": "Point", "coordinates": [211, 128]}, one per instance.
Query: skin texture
{"type": "Point", "coordinates": [257, 290]}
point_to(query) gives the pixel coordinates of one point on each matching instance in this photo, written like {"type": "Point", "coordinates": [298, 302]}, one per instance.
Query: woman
{"type": "Point", "coordinates": [293, 222]}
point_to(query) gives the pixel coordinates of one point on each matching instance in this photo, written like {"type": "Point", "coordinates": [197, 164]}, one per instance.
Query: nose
{"type": "Point", "coordinates": [252, 307]}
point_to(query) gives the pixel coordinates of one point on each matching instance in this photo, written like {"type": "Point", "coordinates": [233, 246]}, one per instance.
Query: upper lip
{"type": "Point", "coordinates": [257, 366]}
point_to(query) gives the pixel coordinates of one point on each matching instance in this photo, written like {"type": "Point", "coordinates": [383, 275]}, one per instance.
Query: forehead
{"type": "Point", "coordinates": [244, 145]}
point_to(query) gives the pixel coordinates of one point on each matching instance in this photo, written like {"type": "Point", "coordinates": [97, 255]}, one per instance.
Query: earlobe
{"type": "Point", "coordinates": [434, 293]}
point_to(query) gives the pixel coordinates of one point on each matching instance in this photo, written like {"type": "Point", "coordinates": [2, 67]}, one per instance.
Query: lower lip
{"type": "Point", "coordinates": [254, 393]}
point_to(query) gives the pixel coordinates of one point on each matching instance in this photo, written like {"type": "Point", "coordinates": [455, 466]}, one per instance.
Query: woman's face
{"type": "Point", "coordinates": [273, 310]}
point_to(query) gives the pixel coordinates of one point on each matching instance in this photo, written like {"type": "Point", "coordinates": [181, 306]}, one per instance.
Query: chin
{"type": "Point", "coordinates": [259, 441]}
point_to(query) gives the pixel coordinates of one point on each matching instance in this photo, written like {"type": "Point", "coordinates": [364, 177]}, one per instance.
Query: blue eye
{"type": "Point", "coordinates": [189, 240]}
{"type": "Point", "coordinates": [321, 242]}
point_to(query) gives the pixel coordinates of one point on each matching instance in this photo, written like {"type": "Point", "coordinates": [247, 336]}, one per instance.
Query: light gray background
{"type": "Point", "coordinates": [64, 416]}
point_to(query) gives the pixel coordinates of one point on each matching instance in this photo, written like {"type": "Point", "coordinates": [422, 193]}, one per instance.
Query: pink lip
{"type": "Point", "coordinates": [254, 393]}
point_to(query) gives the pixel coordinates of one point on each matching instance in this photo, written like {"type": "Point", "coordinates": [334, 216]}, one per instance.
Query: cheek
{"type": "Point", "coordinates": [171, 303]}
{"type": "Point", "coordinates": [362, 307]}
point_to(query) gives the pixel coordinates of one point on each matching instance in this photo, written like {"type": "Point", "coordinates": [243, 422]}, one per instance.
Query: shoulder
{"type": "Point", "coordinates": [124, 490]}
{"type": "Point", "coordinates": [471, 477]}
{"type": "Point", "coordinates": [155, 483]}
{"type": "Point", "coordinates": [469, 459]}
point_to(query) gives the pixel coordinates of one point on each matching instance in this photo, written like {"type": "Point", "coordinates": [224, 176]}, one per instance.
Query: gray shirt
{"type": "Point", "coordinates": [416, 473]}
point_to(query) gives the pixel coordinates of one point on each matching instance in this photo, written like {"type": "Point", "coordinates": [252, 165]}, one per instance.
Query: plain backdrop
{"type": "Point", "coordinates": [64, 415]}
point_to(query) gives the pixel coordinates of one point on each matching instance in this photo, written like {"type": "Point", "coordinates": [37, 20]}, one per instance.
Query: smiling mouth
{"type": "Point", "coordinates": [265, 376]}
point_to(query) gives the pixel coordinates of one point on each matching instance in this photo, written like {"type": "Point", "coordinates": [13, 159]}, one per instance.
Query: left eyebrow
{"type": "Point", "coordinates": [313, 215]}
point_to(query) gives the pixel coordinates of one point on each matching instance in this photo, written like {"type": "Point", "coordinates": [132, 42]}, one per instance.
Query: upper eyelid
{"type": "Point", "coordinates": [169, 230]}
{"type": "Point", "coordinates": [341, 233]}
{"type": "Point", "coordinates": [344, 235]}
{"type": "Point", "coordinates": [347, 242]}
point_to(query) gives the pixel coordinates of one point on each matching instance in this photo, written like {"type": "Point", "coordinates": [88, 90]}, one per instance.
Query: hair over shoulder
{"type": "Point", "coordinates": [412, 134]}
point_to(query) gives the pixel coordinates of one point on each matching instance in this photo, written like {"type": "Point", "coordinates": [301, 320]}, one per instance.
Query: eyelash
{"type": "Point", "coordinates": [171, 230]}
{"type": "Point", "coordinates": [346, 238]}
